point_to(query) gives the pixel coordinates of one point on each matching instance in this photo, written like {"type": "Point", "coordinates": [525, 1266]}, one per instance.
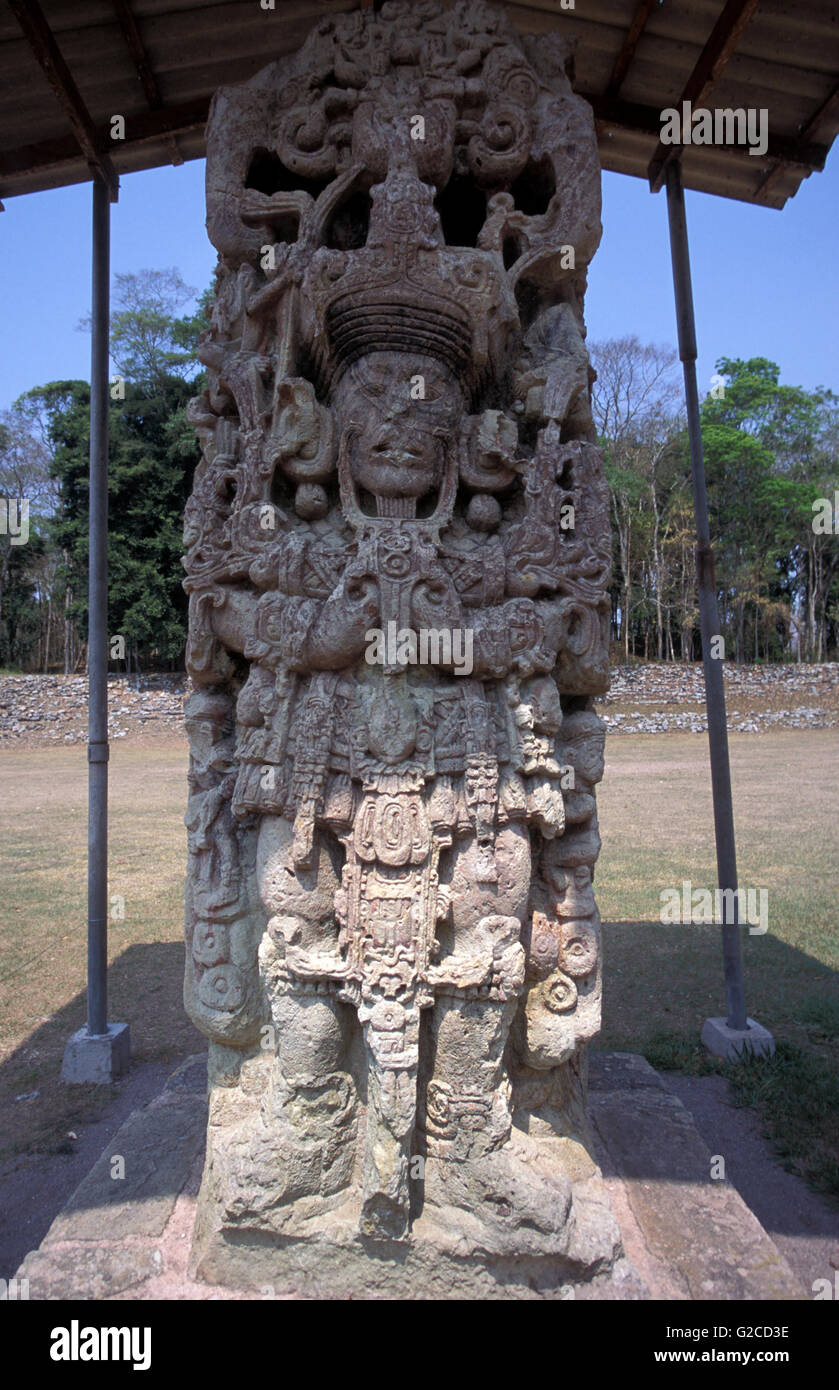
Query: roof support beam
{"type": "Point", "coordinates": [712, 61]}
{"type": "Point", "coordinates": [630, 43]}
{"type": "Point", "coordinates": [42, 42]}
{"type": "Point", "coordinates": [150, 125]}
{"type": "Point", "coordinates": [136, 48]}
{"type": "Point", "coordinates": [827, 111]}
{"type": "Point", "coordinates": [646, 120]}
{"type": "Point", "coordinates": [145, 72]}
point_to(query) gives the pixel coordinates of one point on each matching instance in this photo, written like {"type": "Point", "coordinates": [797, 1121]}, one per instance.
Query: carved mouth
{"type": "Point", "coordinates": [401, 453]}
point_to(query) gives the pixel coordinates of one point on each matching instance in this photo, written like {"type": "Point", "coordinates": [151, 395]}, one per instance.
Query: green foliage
{"type": "Point", "coordinates": [150, 468]}
{"type": "Point", "coordinates": [820, 1017]}
{"type": "Point", "coordinates": [770, 451]}
{"type": "Point", "coordinates": [151, 460]}
{"type": "Point", "coordinates": [18, 628]}
{"type": "Point", "coordinates": [796, 1094]}
{"type": "Point", "coordinates": [25, 544]}
{"type": "Point", "coordinates": [668, 1050]}
{"type": "Point", "coordinates": [149, 343]}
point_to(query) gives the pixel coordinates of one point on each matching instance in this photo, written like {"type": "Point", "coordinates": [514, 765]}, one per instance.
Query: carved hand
{"type": "Point", "coordinates": [339, 634]}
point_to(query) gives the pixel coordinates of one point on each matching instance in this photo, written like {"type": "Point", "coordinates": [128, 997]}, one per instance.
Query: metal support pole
{"type": "Point", "coordinates": [708, 612]}
{"type": "Point", "coordinates": [97, 649]}
{"type": "Point", "coordinates": [100, 1052]}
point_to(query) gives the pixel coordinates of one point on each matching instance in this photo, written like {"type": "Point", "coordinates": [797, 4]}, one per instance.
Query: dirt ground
{"type": "Point", "coordinates": [657, 830]}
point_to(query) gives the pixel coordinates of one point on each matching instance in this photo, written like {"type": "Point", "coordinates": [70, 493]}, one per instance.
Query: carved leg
{"type": "Point", "coordinates": [388, 929]}
{"type": "Point", "coordinates": [312, 1090]}
{"type": "Point", "coordinates": [478, 983]}
{"type": "Point", "coordinates": [562, 1009]}
{"type": "Point", "coordinates": [477, 1160]}
{"type": "Point", "coordinates": [468, 1102]}
{"type": "Point", "coordinates": [391, 1104]}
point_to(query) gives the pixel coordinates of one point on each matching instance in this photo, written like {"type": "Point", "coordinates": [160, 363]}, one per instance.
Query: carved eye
{"type": "Point", "coordinates": [371, 382]}
{"type": "Point", "coordinates": [432, 386]}
{"type": "Point", "coordinates": [396, 566]}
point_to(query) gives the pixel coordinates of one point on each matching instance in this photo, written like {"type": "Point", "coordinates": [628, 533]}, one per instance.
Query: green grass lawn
{"type": "Point", "coordinates": [661, 982]}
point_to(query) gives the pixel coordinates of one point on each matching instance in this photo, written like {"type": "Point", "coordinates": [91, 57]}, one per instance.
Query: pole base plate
{"type": "Point", "coordinates": [98, 1059]}
{"type": "Point", "coordinates": [734, 1043]}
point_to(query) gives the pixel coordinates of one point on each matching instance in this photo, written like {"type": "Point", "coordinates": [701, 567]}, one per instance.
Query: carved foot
{"type": "Point", "coordinates": [507, 1203]}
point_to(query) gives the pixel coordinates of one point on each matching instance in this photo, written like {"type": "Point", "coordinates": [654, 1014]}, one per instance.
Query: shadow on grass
{"type": "Point", "coordinates": [53, 1132]}
{"type": "Point", "coordinates": [145, 985]}
{"type": "Point", "coordinates": [662, 982]}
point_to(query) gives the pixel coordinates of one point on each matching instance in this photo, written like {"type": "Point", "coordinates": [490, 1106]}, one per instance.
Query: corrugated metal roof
{"type": "Point", "coordinates": [786, 60]}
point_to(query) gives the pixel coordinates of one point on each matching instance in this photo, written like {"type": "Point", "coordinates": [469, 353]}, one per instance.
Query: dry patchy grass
{"type": "Point", "coordinates": [661, 982]}
{"type": "Point", "coordinates": [43, 924]}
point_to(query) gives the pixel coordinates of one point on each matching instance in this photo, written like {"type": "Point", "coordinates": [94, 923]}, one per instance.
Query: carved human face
{"type": "Point", "coordinates": [588, 757]}
{"type": "Point", "coordinates": [586, 746]}
{"type": "Point", "coordinates": [399, 410]}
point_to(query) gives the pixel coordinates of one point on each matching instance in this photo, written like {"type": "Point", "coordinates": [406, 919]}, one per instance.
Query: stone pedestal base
{"type": "Point", "coordinates": [98, 1058]}
{"type": "Point", "coordinates": [135, 1242]}
{"type": "Point", "coordinates": [528, 1231]}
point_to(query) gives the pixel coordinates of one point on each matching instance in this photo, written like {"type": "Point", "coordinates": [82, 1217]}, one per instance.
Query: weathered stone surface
{"type": "Point", "coordinates": [157, 1147]}
{"type": "Point", "coordinates": [97, 1059]}
{"type": "Point", "coordinates": [397, 560]}
{"type": "Point", "coordinates": [701, 1238]}
{"type": "Point", "coordinates": [91, 1272]}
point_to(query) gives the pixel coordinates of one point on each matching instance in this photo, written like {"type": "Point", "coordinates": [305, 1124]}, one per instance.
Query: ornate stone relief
{"type": "Point", "coordinates": [392, 938]}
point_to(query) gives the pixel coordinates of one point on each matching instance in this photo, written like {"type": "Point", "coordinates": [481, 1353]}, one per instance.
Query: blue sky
{"type": "Point", "coordinates": [765, 282]}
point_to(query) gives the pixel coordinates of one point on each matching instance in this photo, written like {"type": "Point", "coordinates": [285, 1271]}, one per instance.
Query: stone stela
{"type": "Point", "coordinates": [392, 940]}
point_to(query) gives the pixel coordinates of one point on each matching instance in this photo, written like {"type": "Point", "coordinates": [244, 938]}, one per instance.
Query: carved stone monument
{"type": "Point", "coordinates": [397, 560]}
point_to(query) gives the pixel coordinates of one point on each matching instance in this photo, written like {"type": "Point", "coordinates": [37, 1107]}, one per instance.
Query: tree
{"type": "Point", "coordinates": [149, 342]}
{"type": "Point", "coordinates": [150, 468]}
{"type": "Point", "coordinates": [152, 457]}
{"type": "Point", "coordinates": [635, 405]}
{"type": "Point", "coordinates": [28, 571]}
{"type": "Point", "coordinates": [770, 450]}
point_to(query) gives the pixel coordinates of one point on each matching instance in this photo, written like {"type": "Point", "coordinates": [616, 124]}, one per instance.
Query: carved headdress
{"type": "Point", "coordinates": [406, 291]}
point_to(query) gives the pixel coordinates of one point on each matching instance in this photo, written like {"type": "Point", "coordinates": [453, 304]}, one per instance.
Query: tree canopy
{"type": "Point", "coordinates": [151, 459]}
{"type": "Point", "coordinates": [771, 451]}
